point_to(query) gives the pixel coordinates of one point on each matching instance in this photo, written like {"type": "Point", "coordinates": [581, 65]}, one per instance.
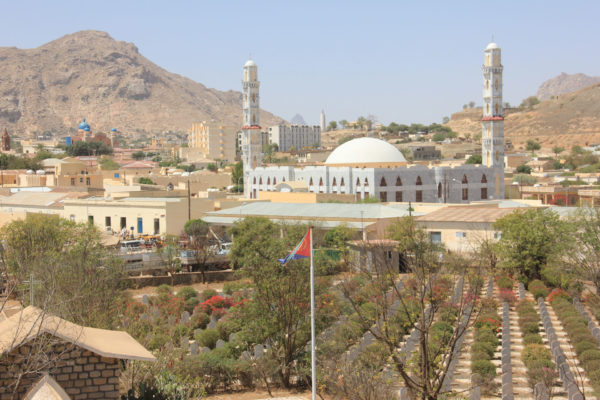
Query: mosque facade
{"type": "Point", "coordinates": [368, 167]}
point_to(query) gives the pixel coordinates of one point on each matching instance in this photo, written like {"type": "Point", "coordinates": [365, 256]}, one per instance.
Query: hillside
{"type": "Point", "coordinates": [564, 84]}
{"type": "Point", "coordinates": [89, 74]}
{"type": "Point", "coordinates": [567, 120]}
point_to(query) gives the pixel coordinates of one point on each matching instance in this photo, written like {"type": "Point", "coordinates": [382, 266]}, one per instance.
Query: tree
{"type": "Point", "coordinates": [237, 176]}
{"type": "Point", "coordinates": [80, 148]}
{"type": "Point", "coordinates": [200, 243]}
{"type": "Point", "coordinates": [584, 256]}
{"type": "Point", "coordinates": [423, 304]}
{"type": "Point", "coordinates": [530, 239]}
{"type": "Point", "coordinates": [557, 150]}
{"type": "Point", "coordinates": [524, 169]}
{"type": "Point", "coordinates": [474, 159]}
{"type": "Point", "coordinates": [107, 164]}
{"type": "Point", "coordinates": [332, 126]}
{"type": "Point", "coordinates": [471, 104]}
{"type": "Point", "coordinates": [169, 253]}
{"type": "Point", "coordinates": [532, 146]}
{"type": "Point", "coordinates": [524, 179]}
{"type": "Point", "coordinates": [212, 167]}
{"type": "Point", "coordinates": [146, 181]}
{"type": "Point", "coordinates": [138, 155]}
{"type": "Point", "coordinates": [343, 123]}
{"type": "Point", "coordinates": [438, 137]}
{"type": "Point", "coordinates": [278, 313]}
{"type": "Point", "coordinates": [344, 140]}
{"type": "Point", "coordinates": [465, 106]}
{"type": "Point", "coordinates": [529, 102]}
{"type": "Point", "coordinates": [445, 120]}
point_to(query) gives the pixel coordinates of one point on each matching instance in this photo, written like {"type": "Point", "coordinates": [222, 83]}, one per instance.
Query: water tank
{"type": "Point", "coordinates": [40, 172]}
{"type": "Point", "coordinates": [29, 172]}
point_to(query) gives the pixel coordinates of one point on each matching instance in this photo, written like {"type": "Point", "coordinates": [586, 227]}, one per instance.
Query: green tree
{"type": "Point", "coordinates": [438, 137]}
{"type": "Point", "coordinates": [80, 277]}
{"type": "Point", "coordinates": [524, 179]}
{"type": "Point", "coordinates": [146, 181]}
{"type": "Point", "coordinates": [445, 120]}
{"type": "Point", "coordinates": [530, 239]}
{"type": "Point", "coordinates": [88, 149]}
{"type": "Point", "coordinates": [524, 169]}
{"type": "Point", "coordinates": [108, 164]}
{"type": "Point", "coordinates": [474, 159]}
{"type": "Point", "coordinates": [471, 104]}
{"type": "Point", "coordinates": [530, 102]}
{"type": "Point", "coordinates": [532, 146]}
{"type": "Point", "coordinates": [278, 314]}
{"type": "Point", "coordinates": [584, 257]}
{"type": "Point", "coordinates": [237, 176]}
{"type": "Point", "coordinates": [332, 126]}
{"type": "Point", "coordinates": [200, 242]}
{"type": "Point", "coordinates": [138, 155]}
{"type": "Point", "coordinates": [212, 167]}
{"type": "Point", "coordinates": [343, 123]}
{"type": "Point", "coordinates": [557, 150]}
{"type": "Point", "coordinates": [169, 253]}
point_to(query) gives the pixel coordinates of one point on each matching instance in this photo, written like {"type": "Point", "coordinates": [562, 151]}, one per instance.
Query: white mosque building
{"type": "Point", "coordinates": [369, 167]}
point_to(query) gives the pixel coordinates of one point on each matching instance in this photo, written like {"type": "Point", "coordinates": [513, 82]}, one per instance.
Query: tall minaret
{"type": "Point", "coordinates": [323, 121]}
{"type": "Point", "coordinates": [492, 121]}
{"type": "Point", "coordinates": [251, 135]}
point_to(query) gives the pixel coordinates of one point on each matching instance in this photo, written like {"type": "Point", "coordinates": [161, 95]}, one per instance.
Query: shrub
{"type": "Point", "coordinates": [487, 336]}
{"type": "Point", "coordinates": [532, 338]}
{"type": "Point", "coordinates": [208, 338]}
{"type": "Point", "coordinates": [163, 289]}
{"type": "Point", "coordinates": [199, 320]}
{"type": "Point", "coordinates": [534, 352]}
{"type": "Point", "coordinates": [485, 368]}
{"type": "Point", "coordinates": [483, 347]}
{"type": "Point", "coordinates": [187, 293]}
{"type": "Point", "coordinates": [589, 355]}
{"type": "Point", "coordinates": [508, 295]}
{"type": "Point", "coordinates": [558, 293]}
{"type": "Point", "coordinates": [504, 282]}
{"type": "Point", "coordinates": [225, 328]}
{"type": "Point", "coordinates": [585, 345]}
{"type": "Point", "coordinates": [479, 356]}
{"type": "Point", "coordinates": [541, 371]}
{"type": "Point", "coordinates": [207, 294]}
{"type": "Point", "coordinates": [157, 341]}
{"type": "Point", "coordinates": [190, 304]}
{"type": "Point", "coordinates": [530, 327]}
{"type": "Point", "coordinates": [538, 289]}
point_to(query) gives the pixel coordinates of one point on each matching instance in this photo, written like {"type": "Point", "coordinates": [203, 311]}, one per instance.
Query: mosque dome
{"type": "Point", "coordinates": [365, 150]}
{"type": "Point", "coordinates": [492, 46]}
{"type": "Point", "coordinates": [250, 63]}
{"type": "Point", "coordinates": [113, 130]}
{"type": "Point", "coordinates": [84, 125]}
{"type": "Point", "coordinates": [87, 128]}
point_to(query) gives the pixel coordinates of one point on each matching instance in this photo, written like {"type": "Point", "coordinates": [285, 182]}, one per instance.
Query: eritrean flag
{"type": "Point", "coordinates": [301, 251]}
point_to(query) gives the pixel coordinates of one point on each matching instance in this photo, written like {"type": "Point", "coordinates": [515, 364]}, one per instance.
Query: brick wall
{"type": "Point", "coordinates": [81, 373]}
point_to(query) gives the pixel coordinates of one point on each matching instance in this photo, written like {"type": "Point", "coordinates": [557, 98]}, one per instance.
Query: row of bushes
{"type": "Point", "coordinates": [486, 341]}
{"type": "Point", "coordinates": [535, 355]}
{"type": "Point", "coordinates": [538, 289]}
{"type": "Point", "coordinates": [579, 335]}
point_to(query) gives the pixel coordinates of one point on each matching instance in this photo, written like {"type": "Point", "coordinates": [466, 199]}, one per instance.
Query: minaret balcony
{"type": "Point", "coordinates": [493, 118]}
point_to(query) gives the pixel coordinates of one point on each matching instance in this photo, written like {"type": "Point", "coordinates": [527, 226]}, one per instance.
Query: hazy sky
{"type": "Point", "coordinates": [403, 61]}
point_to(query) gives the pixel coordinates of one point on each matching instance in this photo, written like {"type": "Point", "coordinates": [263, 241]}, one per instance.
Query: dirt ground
{"type": "Point", "coordinates": [151, 290]}
{"type": "Point", "coordinates": [263, 394]}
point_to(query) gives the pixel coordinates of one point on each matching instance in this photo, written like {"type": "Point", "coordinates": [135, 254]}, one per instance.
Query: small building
{"type": "Point", "coordinates": [426, 153]}
{"type": "Point", "coordinates": [551, 195]}
{"type": "Point", "coordinates": [78, 362]}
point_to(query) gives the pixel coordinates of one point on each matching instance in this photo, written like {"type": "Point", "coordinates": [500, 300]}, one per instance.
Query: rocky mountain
{"type": "Point", "coordinates": [565, 83]}
{"type": "Point", "coordinates": [566, 120]}
{"type": "Point", "coordinates": [89, 74]}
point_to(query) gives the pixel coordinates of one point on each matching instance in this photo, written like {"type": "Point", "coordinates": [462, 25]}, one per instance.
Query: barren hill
{"type": "Point", "coordinates": [564, 84]}
{"type": "Point", "coordinates": [89, 74]}
{"type": "Point", "coordinates": [566, 120]}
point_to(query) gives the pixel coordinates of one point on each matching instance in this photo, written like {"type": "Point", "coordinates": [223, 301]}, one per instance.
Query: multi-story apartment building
{"type": "Point", "coordinates": [298, 136]}
{"type": "Point", "coordinates": [214, 140]}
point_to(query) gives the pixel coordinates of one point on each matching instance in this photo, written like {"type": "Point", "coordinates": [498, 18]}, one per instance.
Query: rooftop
{"type": "Point", "coordinates": [466, 214]}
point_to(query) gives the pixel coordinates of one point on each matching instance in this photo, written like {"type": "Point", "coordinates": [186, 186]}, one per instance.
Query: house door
{"type": "Point", "coordinates": [140, 226]}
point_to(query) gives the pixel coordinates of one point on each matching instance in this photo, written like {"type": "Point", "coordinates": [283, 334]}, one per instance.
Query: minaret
{"type": "Point", "coordinates": [323, 121]}
{"type": "Point", "coordinates": [5, 141]}
{"type": "Point", "coordinates": [251, 135]}
{"type": "Point", "coordinates": [492, 121]}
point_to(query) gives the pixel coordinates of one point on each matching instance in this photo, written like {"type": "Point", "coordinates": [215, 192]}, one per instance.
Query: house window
{"type": "Point", "coordinates": [107, 222]}
{"type": "Point", "coordinates": [483, 179]}
{"type": "Point", "coordinates": [342, 183]}
{"type": "Point", "coordinates": [357, 181]}
{"type": "Point", "coordinates": [269, 181]}
{"type": "Point", "coordinates": [123, 222]}
{"type": "Point", "coordinates": [156, 226]}
{"type": "Point", "coordinates": [72, 181]}
{"type": "Point", "coordinates": [383, 196]}
{"type": "Point", "coordinates": [260, 181]}
{"type": "Point", "coordinates": [334, 182]}
{"type": "Point", "coordinates": [435, 237]}
{"type": "Point", "coordinates": [497, 235]}
{"type": "Point", "coordinates": [87, 181]}
{"type": "Point", "coordinates": [465, 193]}
{"type": "Point", "coordinates": [398, 181]}
{"type": "Point", "coordinates": [439, 190]}
{"type": "Point", "coordinates": [254, 181]}
{"type": "Point", "coordinates": [461, 234]}
{"type": "Point", "coordinates": [72, 217]}
{"type": "Point", "coordinates": [274, 181]}
{"type": "Point", "coordinates": [80, 180]}
{"type": "Point", "coordinates": [399, 196]}
{"type": "Point", "coordinates": [383, 182]}
{"type": "Point", "coordinates": [91, 219]}
{"type": "Point", "coordinates": [419, 196]}
{"type": "Point", "coordinates": [320, 181]}
{"type": "Point", "coordinates": [310, 183]}
{"type": "Point", "coordinates": [140, 225]}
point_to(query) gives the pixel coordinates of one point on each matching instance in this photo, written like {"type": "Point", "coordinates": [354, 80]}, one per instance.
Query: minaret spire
{"type": "Point", "coordinates": [251, 131]}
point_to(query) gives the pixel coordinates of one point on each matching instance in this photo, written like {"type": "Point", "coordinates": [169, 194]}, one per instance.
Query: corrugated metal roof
{"type": "Point", "coordinates": [466, 214]}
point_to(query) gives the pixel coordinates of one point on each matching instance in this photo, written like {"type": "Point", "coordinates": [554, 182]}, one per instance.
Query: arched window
{"type": "Point", "coordinates": [320, 181]}
{"type": "Point", "coordinates": [483, 179]}
{"type": "Point", "coordinates": [366, 182]}
{"type": "Point", "coordinates": [464, 179]}
{"type": "Point", "coordinates": [260, 181]}
{"type": "Point", "coordinates": [254, 181]}
{"type": "Point", "coordinates": [487, 84]}
{"type": "Point", "coordinates": [439, 190]}
{"type": "Point", "coordinates": [310, 183]}
{"type": "Point", "coordinates": [383, 182]}
{"type": "Point", "coordinates": [357, 181]}
{"type": "Point", "coordinates": [465, 190]}
{"type": "Point", "coordinates": [419, 182]}
{"type": "Point", "coordinates": [496, 84]}
{"type": "Point", "coordinates": [487, 108]}
{"type": "Point", "coordinates": [283, 179]}
{"type": "Point", "coordinates": [497, 109]}
{"type": "Point", "coordinates": [334, 182]}
{"type": "Point", "coordinates": [342, 184]}
{"type": "Point", "coordinates": [398, 181]}
{"type": "Point", "coordinates": [274, 181]}
{"type": "Point", "coordinates": [268, 180]}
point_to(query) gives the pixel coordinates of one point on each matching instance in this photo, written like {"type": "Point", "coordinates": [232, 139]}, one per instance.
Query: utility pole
{"type": "Point", "coordinates": [189, 201]}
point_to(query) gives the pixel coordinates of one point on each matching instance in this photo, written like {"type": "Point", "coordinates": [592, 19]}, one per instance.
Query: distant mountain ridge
{"type": "Point", "coordinates": [564, 84]}
{"type": "Point", "coordinates": [90, 75]}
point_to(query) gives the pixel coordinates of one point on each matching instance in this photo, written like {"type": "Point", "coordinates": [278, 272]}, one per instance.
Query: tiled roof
{"type": "Point", "coordinates": [466, 214]}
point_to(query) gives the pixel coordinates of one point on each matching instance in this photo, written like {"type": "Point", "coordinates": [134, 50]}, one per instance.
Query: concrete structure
{"type": "Point", "coordinates": [426, 153]}
{"type": "Point", "coordinates": [73, 173]}
{"type": "Point", "coordinates": [367, 167]}
{"type": "Point", "coordinates": [323, 122]}
{"type": "Point", "coordinates": [552, 195]}
{"type": "Point", "coordinates": [78, 361]}
{"type": "Point", "coordinates": [492, 121]}
{"type": "Point", "coordinates": [251, 134]}
{"type": "Point", "coordinates": [215, 140]}
{"type": "Point", "coordinates": [295, 137]}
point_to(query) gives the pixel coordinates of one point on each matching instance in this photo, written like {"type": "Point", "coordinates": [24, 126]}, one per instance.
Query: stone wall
{"type": "Point", "coordinates": [81, 373]}
{"type": "Point", "coordinates": [184, 278]}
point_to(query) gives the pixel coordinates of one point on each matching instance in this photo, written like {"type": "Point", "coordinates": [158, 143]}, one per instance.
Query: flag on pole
{"type": "Point", "coordinates": [301, 251]}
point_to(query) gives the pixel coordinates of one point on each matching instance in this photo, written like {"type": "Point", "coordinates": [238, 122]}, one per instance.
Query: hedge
{"type": "Point", "coordinates": [485, 343]}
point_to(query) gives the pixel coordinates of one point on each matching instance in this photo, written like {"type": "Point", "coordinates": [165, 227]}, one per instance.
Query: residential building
{"type": "Point", "coordinates": [73, 173]}
{"type": "Point", "coordinates": [295, 137]}
{"type": "Point", "coordinates": [426, 153]}
{"type": "Point", "coordinates": [215, 140]}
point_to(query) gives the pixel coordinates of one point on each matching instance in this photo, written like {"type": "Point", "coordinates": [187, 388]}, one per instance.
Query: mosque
{"type": "Point", "coordinates": [369, 167]}
{"type": "Point", "coordinates": [84, 134]}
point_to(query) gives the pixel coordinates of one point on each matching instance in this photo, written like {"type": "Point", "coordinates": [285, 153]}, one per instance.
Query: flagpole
{"type": "Point", "coordinates": [313, 359]}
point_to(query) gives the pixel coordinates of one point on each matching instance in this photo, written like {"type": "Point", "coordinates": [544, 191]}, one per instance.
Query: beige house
{"type": "Point", "coordinates": [215, 140]}
{"type": "Point", "coordinates": [73, 173]}
{"type": "Point", "coordinates": [462, 228]}
{"type": "Point", "coordinates": [138, 215]}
